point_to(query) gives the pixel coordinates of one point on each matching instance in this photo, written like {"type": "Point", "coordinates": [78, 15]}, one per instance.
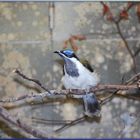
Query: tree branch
{"type": "Point", "coordinates": [127, 10]}
{"type": "Point", "coordinates": [54, 95]}
{"type": "Point", "coordinates": [137, 52]}
{"type": "Point", "coordinates": [59, 95]}
{"type": "Point", "coordinates": [126, 45]}
{"type": "Point", "coordinates": [30, 79]}
{"type": "Point", "coordinates": [22, 127]}
{"type": "Point", "coordinates": [117, 23]}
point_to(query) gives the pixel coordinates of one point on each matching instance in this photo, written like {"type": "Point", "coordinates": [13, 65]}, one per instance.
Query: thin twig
{"type": "Point", "coordinates": [8, 118]}
{"type": "Point", "coordinates": [126, 45]}
{"type": "Point", "coordinates": [30, 79]}
{"type": "Point", "coordinates": [74, 122]}
{"type": "Point", "coordinates": [133, 79]}
{"type": "Point", "coordinates": [127, 10]}
{"type": "Point", "coordinates": [55, 122]}
{"type": "Point", "coordinates": [108, 98]}
{"type": "Point", "coordinates": [75, 91]}
{"type": "Point", "coordinates": [128, 82]}
{"type": "Point", "coordinates": [137, 52]}
{"type": "Point", "coordinates": [117, 23]}
{"type": "Point", "coordinates": [112, 95]}
{"type": "Point", "coordinates": [59, 95]}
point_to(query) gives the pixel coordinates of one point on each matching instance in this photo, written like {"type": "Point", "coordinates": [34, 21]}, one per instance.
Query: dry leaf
{"type": "Point", "coordinates": [124, 14]}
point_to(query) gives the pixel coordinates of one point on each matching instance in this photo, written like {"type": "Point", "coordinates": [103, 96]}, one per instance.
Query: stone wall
{"type": "Point", "coordinates": [28, 37]}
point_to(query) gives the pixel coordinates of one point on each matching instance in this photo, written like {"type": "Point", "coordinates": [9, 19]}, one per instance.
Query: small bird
{"type": "Point", "coordinates": [80, 76]}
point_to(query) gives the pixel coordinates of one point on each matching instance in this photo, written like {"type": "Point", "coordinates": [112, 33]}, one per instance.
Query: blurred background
{"type": "Point", "coordinates": [31, 31]}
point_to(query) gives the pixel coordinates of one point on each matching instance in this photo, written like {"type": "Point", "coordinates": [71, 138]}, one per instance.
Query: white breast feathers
{"type": "Point", "coordinates": [85, 80]}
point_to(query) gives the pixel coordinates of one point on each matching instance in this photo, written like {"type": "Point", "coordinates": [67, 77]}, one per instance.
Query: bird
{"type": "Point", "coordinates": [77, 75]}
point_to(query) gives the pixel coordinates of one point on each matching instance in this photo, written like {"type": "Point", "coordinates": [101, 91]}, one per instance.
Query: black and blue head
{"type": "Point", "coordinates": [69, 58]}
{"type": "Point", "coordinates": [66, 54]}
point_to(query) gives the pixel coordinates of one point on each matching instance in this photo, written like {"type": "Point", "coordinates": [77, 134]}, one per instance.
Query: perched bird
{"type": "Point", "coordinates": [79, 76]}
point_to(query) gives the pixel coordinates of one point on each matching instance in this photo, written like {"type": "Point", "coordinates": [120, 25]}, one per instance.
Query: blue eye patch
{"type": "Point", "coordinates": [68, 53]}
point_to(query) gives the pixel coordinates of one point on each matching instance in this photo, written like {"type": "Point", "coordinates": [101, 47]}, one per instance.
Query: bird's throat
{"type": "Point", "coordinates": [70, 68]}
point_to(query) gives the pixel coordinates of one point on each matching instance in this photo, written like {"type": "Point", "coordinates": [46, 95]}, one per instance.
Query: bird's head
{"type": "Point", "coordinates": [67, 54]}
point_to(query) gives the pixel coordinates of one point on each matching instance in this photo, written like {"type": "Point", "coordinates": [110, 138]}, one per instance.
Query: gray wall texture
{"type": "Point", "coordinates": [26, 43]}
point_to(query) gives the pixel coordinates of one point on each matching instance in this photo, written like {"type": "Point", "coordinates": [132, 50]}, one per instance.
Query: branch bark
{"type": "Point", "coordinates": [117, 23]}
{"type": "Point", "coordinates": [22, 127]}
{"type": "Point", "coordinates": [30, 79]}
{"type": "Point", "coordinates": [58, 95]}
{"type": "Point", "coordinates": [126, 44]}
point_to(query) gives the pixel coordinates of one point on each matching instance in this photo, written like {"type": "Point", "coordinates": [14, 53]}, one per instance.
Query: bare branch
{"type": "Point", "coordinates": [30, 79]}
{"type": "Point", "coordinates": [133, 79]}
{"type": "Point", "coordinates": [117, 23]}
{"type": "Point", "coordinates": [132, 4]}
{"type": "Point", "coordinates": [137, 52]}
{"type": "Point", "coordinates": [61, 95]}
{"type": "Point", "coordinates": [74, 122]}
{"type": "Point", "coordinates": [126, 45]}
{"type": "Point", "coordinates": [46, 121]}
{"type": "Point", "coordinates": [8, 118]}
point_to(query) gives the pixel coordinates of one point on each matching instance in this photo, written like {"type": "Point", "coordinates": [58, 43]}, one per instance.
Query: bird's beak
{"type": "Point", "coordinates": [57, 52]}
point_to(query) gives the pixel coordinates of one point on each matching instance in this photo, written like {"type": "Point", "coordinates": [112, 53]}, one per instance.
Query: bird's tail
{"type": "Point", "coordinates": [91, 105]}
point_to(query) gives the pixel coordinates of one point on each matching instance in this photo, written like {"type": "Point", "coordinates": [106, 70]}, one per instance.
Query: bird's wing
{"type": "Point", "coordinates": [87, 65]}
